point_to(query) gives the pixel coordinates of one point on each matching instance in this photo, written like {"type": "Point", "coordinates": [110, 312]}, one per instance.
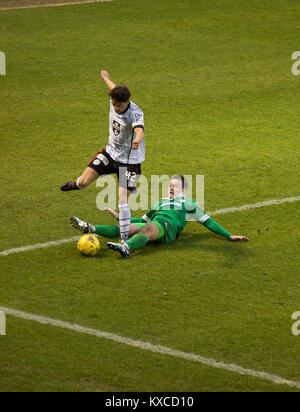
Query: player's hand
{"type": "Point", "coordinates": [112, 212]}
{"type": "Point", "coordinates": [136, 144]}
{"type": "Point", "coordinates": [105, 75]}
{"type": "Point", "coordinates": [239, 238]}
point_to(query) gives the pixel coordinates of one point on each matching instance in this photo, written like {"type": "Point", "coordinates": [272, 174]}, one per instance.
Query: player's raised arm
{"type": "Point", "coordinates": [106, 77]}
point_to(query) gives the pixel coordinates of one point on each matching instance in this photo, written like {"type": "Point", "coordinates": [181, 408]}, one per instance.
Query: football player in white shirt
{"type": "Point", "coordinates": [123, 154]}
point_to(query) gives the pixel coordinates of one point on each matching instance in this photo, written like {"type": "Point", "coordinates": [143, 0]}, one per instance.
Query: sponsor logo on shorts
{"type": "Point", "coordinates": [103, 159]}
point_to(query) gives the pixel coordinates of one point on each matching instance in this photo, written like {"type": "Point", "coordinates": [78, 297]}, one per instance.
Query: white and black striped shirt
{"type": "Point", "coordinates": [121, 135]}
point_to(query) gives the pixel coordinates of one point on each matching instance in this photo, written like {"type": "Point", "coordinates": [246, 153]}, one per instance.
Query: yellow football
{"type": "Point", "coordinates": [89, 245]}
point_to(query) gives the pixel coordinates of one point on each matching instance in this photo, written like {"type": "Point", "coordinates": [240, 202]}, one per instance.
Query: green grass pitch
{"type": "Point", "coordinates": [214, 80]}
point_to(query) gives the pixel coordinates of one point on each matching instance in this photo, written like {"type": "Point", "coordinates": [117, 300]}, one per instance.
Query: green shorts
{"type": "Point", "coordinates": [167, 231]}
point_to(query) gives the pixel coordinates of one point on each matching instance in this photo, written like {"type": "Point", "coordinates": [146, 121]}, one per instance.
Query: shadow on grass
{"type": "Point", "coordinates": [189, 241]}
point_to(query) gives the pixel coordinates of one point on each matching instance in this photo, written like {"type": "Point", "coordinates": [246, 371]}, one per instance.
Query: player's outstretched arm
{"type": "Point", "coordinates": [219, 230]}
{"type": "Point", "coordinates": [114, 214]}
{"type": "Point", "coordinates": [214, 227]}
{"type": "Point", "coordinates": [106, 77]}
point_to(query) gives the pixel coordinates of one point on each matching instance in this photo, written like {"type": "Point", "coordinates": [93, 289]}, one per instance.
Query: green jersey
{"type": "Point", "coordinates": [176, 212]}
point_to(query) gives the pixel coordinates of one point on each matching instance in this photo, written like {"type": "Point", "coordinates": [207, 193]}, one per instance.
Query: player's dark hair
{"type": "Point", "coordinates": [120, 93]}
{"type": "Point", "coordinates": [183, 180]}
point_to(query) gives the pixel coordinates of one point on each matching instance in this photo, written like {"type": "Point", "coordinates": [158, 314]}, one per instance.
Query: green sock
{"type": "Point", "coordinates": [137, 242]}
{"type": "Point", "coordinates": [110, 232]}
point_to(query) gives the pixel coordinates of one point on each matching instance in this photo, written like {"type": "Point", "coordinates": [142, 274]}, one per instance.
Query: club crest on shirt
{"type": "Point", "coordinates": [116, 128]}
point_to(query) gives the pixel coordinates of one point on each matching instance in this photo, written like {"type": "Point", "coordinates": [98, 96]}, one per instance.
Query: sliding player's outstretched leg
{"type": "Point", "coordinates": [78, 224]}
{"type": "Point", "coordinates": [122, 248]}
{"type": "Point", "coordinates": [108, 231]}
{"type": "Point", "coordinates": [150, 233]}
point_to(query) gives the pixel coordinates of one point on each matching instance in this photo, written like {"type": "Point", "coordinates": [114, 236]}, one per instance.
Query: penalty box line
{"type": "Point", "coordinates": [163, 350]}
{"type": "Point", "coordinates": [216, 212]}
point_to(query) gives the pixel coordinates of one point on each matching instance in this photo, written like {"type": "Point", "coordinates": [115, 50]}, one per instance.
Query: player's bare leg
{"type": "Point", "coordinates": [150, 231]}
{"type": "Point", "coordinates": [134, 230]}
{"type": "Point", "coordinates": [88, 177]}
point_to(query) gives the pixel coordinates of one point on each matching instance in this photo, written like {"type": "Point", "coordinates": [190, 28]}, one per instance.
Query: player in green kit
{"type": "Point", "coordinates": [163, 223]}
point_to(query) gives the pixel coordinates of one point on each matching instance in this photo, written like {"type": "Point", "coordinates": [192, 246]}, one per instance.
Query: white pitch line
{"type": "Point", "coordinates": [216, 212]}
{"type": "Point", "coordinates": [163, 350]}
{"type": "Point", "coordinates": [38, 246]}
{"type": "Point", "coordinates": [38, 6]}
{"type": "Point", "coordinates": [255, 205]}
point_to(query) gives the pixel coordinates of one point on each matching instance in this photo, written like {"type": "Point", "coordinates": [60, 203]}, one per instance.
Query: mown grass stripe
{"type": "Point", "coordinates": [216, 212]}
